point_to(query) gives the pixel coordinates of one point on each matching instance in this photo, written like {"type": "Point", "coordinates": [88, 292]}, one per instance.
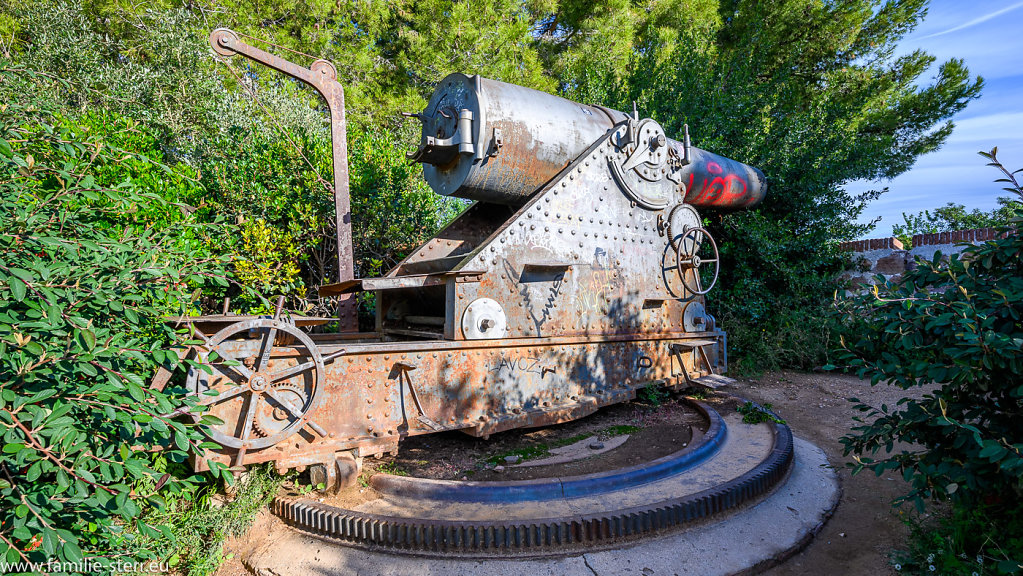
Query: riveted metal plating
{"type": "Point", "coordinates": [579, 312]}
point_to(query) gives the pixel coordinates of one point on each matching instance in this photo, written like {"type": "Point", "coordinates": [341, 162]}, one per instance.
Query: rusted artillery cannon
{"type": "Point", "coordinates": [576, 277]}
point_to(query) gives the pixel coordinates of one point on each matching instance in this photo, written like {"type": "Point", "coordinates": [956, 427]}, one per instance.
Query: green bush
{"type": "Point", "coordinates": [755, 414]}
{"type": "Point", "coordinates": [201, 519]}
{"type": "Point", "coordinates": [956, 329]}
{"type": "Point", "coordinates": [271, 174]}
{"type": "Point", "coordinates": [953, 217]}
{"type": "Point", "coordinates": [135, 183]}
{"type": "Point", "coordinates": [90, 261]}
{"type": "Point", "coordinates": [286, 239]}
{"type": "Point", "coordinates": [799, 337]}
{"type": "Point", "coordinates": [964, 541]}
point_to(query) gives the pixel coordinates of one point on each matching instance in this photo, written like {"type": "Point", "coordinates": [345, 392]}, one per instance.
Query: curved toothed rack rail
{"type": "Point", "coordinates": [733, 465]}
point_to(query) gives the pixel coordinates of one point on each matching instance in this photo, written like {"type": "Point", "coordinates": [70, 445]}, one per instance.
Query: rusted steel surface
{"type": "Point", "coordinates": [576, 278]}
{"type": "Point", "coordinates": [363, 399]}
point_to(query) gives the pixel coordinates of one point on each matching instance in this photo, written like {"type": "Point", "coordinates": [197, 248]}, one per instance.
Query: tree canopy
{"type": "Point", "coordinates": [953, 217]}
{"type": "Point", "coordinates": [812, 94]}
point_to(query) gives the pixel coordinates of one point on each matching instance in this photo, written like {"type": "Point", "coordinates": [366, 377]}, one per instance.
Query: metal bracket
{"type": "Point", "coordinates": [497, 143]}
{"type": "Point", "coordinates": [706, 359]}
{"type": "Point", "coordinates": [676, 351]}
{"type": "Point", "coordinates": [406, 381]}
{"type": "Point", "coordinates": [699, 345]}
{"type": "Point", "coordinates": [433, 150]}
{"type": "Point", "coordinates": [687, 146]}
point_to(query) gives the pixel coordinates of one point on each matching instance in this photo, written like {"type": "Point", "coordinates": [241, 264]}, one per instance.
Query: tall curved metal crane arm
{"type": "Point", "coordinates": [321, 75]}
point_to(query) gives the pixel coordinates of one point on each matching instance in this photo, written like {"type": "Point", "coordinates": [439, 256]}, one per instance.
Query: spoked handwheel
{"type": "Point", "coordinates": [261, 401]}
{"type": "Point", "coordinates": [687, 249]}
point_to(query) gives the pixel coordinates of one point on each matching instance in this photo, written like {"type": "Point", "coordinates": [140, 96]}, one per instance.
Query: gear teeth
{"type": "Point", "coordinates": [485, 538]}
{"type": "Point", "coordinates": [264, 430]}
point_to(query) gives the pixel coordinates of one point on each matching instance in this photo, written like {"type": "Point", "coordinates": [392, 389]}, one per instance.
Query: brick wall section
{"type": "Point", "coordinates": [874, 244]}
{"type": "Point", "coordinates": [888, 258]}
{"type": "Point", "coordinates": [976, 235]}
{"type": "Point", "coordinates": [870, 258]}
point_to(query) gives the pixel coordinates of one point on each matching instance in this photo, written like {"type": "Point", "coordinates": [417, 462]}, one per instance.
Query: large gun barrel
{"type": "Point", "coordinates": [496, 142]}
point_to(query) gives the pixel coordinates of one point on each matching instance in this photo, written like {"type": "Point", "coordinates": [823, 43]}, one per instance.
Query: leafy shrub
{"type": "Point", "coordinates": [799, 337]}
{"type": "Point", "coordinates": [85, 279]}
{"type": "Point", "coordinates": [653, 394]}
{"type": "Point", "coordinates": [116, 184]}
{"type": "Point", "coordinates": [278, 185]}
{"type": "Point", "coordinates": [953, 217]}
{"type": "Point", "coordinates": [955, 327]}
{"type": "Point", "coordinates": [755, 414]}
{"type": "Point", "coordinates": [393, 210]}
{"type": "Point", "coordinates": [268, 258]}
{"type": "Point", "coordinates": [159, 70]}
{"type": "Point", "coordinates": [966, 541]}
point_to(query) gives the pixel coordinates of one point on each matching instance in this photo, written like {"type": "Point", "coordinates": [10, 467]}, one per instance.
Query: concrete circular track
{"type": "Point", "coordinates": [562, 516]}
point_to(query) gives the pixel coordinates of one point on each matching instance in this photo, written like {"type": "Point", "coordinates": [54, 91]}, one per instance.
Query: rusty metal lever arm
{"type": "Point", "coordinates": [322, 76]}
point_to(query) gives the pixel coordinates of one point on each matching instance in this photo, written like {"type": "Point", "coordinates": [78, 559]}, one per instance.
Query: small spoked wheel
{"type": "Point", "coordinates": [261, 401]}
{"type": "Point", "coordinates": [688, 248]}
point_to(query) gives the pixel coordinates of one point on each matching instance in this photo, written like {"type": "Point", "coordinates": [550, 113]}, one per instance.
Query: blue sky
{"type": "Point", "coordinates": [988, 35]}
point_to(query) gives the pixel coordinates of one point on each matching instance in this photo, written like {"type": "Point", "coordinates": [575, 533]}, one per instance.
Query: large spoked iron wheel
{"type": "Point", "coordinates": [261, 400]}
{"type": "Point", "coordinates": [695, 249]}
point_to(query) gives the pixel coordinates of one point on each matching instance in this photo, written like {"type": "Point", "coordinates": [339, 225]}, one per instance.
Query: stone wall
{"type": "Point", "coordinates": [884, 256]}
{"type": "Point", "coordinates": [888, 258]}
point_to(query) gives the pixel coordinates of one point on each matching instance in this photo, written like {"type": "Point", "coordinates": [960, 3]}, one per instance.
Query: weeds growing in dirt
{"type": "Point", "coordinates": [204, 519]}
{"type": "Point", "coordinates": [619, 430]}
{"type": "Point", "coordinates": [696, 393]}
{"type": "Point", "coordinates": [392, 469]}
{"type": "Point", "coordinates": [755, 414]}
{"type": "Point", "coordinates": [544, 450]}
{"type": "Point", "coordinates": [982, 541]}
{"type": "Point", "coordinates": [653, 394]}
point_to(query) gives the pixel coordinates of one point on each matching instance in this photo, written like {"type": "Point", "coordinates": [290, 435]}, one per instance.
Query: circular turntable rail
{"type": "Point", "coordinates": [474, 526]}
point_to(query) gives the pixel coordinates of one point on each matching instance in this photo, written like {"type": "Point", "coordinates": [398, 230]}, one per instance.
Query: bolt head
{"type": "Point", "coordinates": [258, 383]}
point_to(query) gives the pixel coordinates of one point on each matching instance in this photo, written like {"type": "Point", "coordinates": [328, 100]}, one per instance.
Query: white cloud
{"type": "Point", "coordinates": [975, 21]}
{"type": "Point", "coordinates": [991, 46]}
{"type": "Point", "coordinates": [998, 129]}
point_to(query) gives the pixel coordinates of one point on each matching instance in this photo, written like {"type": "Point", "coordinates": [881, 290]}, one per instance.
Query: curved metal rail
{"type": "Point", "coordinates": [542, 536]}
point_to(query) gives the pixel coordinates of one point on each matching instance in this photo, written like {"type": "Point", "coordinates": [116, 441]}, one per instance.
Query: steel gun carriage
{"type": "Point", "coordinates": [576, 277]}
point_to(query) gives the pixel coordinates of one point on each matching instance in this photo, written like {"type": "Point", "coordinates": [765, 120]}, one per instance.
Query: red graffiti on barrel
{"type": "Point", "coordinates": [722, 184]}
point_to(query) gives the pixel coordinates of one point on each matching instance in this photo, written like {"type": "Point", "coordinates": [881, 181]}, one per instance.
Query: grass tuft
{"type": "Point", "coordinates": [202, 520]}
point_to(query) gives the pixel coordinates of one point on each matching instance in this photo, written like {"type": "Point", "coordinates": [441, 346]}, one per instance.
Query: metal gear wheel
{"type": "Point", "coordinates": [271, 419]}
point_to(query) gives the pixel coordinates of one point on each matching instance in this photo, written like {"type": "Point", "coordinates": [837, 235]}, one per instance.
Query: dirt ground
{"type": "Point", "coordinates": [855, 542]}
{"type": "Point", "coordinates": [865, 527]}
{"type": "Point", "coordinates": [653, 431]}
